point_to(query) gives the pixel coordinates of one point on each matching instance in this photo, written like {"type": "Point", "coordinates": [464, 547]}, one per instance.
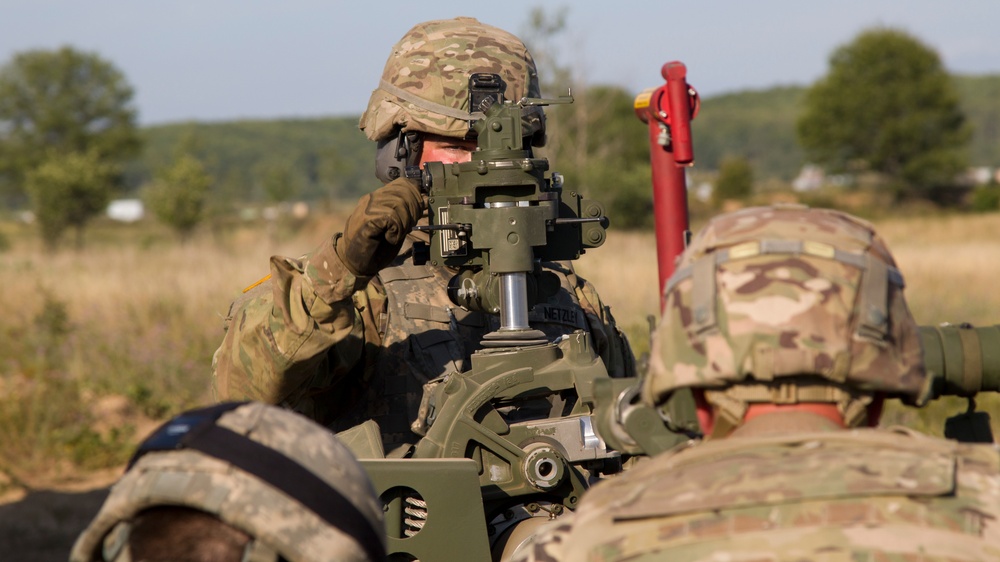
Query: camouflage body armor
{"type": "Point", "coordinates": [425, 336]}
{"type": "Point", "coordinates": [837, 495]}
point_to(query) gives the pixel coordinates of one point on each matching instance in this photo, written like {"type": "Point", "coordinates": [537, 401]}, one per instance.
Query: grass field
{"type": "Point", "coordinates": [97, 345]}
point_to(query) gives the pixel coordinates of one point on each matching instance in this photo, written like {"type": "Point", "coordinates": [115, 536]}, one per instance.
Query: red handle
{"type": "Point", "coordinates": [668, 111]}
{"type": "Point", "coordinates": [680, 111]}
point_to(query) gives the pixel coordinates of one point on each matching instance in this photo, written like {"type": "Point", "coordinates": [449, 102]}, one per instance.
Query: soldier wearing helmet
{"type": "Point", "coordinates": [422, 101]}
{"type": "Point", "coordinates": [238, 482]}
{"type": "Point", "coordinates": [353, 330]}
{"type": "Point", "coordinates": [790, 326]}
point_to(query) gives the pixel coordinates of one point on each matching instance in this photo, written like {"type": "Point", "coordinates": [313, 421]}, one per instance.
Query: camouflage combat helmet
{"type": "Point", "coordinates": [787, 304]}
{"type": "Point", "coordinates": [285, 481]}
{"type": "Point", "coordinates": [425, 84]}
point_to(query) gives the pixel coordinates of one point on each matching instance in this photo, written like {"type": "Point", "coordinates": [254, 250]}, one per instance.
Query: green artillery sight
{"type": "Point", "coordinates": [497, 216]}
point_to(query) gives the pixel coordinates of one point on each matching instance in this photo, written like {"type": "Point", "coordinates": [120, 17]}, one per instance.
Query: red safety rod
{"type": "Point", "coordinates": [668, 111]}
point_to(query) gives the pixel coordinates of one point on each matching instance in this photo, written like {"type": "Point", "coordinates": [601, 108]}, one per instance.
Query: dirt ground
{"type": "Point", "coordinates": [41, 525]}
{"type": "Point", "coordinates": [42, 513]}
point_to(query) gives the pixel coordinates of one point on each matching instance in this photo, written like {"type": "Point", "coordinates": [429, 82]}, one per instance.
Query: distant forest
{"type": "Point", "coordinates": [760, 125]}
{"type": "Point", "coordinates": [315, 158]}
{"type": "Point", "coordinates": [329, 158]}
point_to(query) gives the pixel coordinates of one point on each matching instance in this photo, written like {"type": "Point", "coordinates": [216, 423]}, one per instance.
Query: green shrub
{"type": "Point", "coordinates": [90, 450]}
{"type": "Point", "coordinates": [735, 181]}
{"type": "Point", "coordinates": [985, 199]}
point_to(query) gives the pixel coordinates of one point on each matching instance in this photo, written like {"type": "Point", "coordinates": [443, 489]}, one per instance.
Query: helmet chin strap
{"type": "Point", "coordinates": [428, 105]}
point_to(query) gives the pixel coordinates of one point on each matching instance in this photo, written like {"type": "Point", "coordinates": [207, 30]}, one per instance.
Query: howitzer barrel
{"type": "Point", "coordinates": [962, 359]}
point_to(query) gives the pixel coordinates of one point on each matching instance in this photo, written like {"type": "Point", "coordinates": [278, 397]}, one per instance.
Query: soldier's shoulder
{"type": "Point", "coordinates": [694, 497]}
{"type": "Point", "coordinates": [689, 500]}
{"type": "Point", "coordinates": [255, 293]}
{"type": "Point", "coordinates": [565, 269]}
{"type": "Point", "coordinates": [770, 470]}
{"type": "Point", "coordinates": [561, 268]}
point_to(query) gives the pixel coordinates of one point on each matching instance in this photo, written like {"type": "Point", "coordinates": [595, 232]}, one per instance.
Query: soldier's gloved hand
{"type": "Point", "coordinates": [377, 227]}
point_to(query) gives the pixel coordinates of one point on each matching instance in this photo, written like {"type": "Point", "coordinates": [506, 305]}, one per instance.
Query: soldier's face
{"type": "Point", "coordinates": [448, 150]}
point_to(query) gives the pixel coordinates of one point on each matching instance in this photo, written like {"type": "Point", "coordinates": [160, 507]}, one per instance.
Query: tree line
{"type": "Point", "coordinates": [69, 141]}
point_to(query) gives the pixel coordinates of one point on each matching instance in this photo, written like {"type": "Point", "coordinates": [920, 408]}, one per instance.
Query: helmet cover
{"type": "Point", "coordinates": [425, 83]}
{"type": "Point", "coordinates": [190, 478]}
{"type": "Point", "coordinates": [768, 293]}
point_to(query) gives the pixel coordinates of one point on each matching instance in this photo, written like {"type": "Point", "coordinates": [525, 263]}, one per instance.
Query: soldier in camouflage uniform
{"type": "Point", "coordinates": [791, 327]}
{"type": "Point", "coordinates": [353, 330]}
{"type": "Point", "coordinates": [238, 482]}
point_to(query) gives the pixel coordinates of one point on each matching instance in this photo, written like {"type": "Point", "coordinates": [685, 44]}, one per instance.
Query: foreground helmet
{"type": "Point", "coordinates": [784, 305]}
{"type": "Point", "coordinates": [285, 481]}
{"type": "Point", "coordinates": [425, 87]}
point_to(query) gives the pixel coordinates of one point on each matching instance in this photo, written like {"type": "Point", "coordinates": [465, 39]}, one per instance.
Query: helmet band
{"type": "Point", "coordinates": [427, 105]}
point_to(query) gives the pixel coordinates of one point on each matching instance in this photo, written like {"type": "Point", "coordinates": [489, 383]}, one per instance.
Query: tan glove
{"type": "Point", "coordinates": [377, 227]}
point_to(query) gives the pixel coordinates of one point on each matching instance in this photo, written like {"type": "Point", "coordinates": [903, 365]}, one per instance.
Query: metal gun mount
{"type": "Point", "coordinates": [486, 476]}
{"type": "Point", "coordinates": [496, 217]}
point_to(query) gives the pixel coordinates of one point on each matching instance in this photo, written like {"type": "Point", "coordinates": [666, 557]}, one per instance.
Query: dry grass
{"type": "Point", "coordinates": [624, 270]}
{"type": "Point", "coordinates": [123, 330]}
{"type": "Point", "coordinates": [951, 265]}
{"type": "Point", "coordinates": [97, 345]}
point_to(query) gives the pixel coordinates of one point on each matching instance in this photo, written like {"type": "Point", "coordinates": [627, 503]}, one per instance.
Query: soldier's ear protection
{"type": "Point", "coordinates": [395, 154]}
{"type": "Point", "coordinates": [197, 430]}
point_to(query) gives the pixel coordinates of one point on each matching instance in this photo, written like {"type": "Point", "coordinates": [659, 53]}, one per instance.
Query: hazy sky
{"type": "Point", "coordinates": [226, 59]}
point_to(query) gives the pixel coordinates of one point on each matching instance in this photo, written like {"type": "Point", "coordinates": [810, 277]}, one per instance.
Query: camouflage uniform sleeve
{"type": "Point", "coordinates": [609, 340]}
{"type": "Point", "coordinates": [279, 336]}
